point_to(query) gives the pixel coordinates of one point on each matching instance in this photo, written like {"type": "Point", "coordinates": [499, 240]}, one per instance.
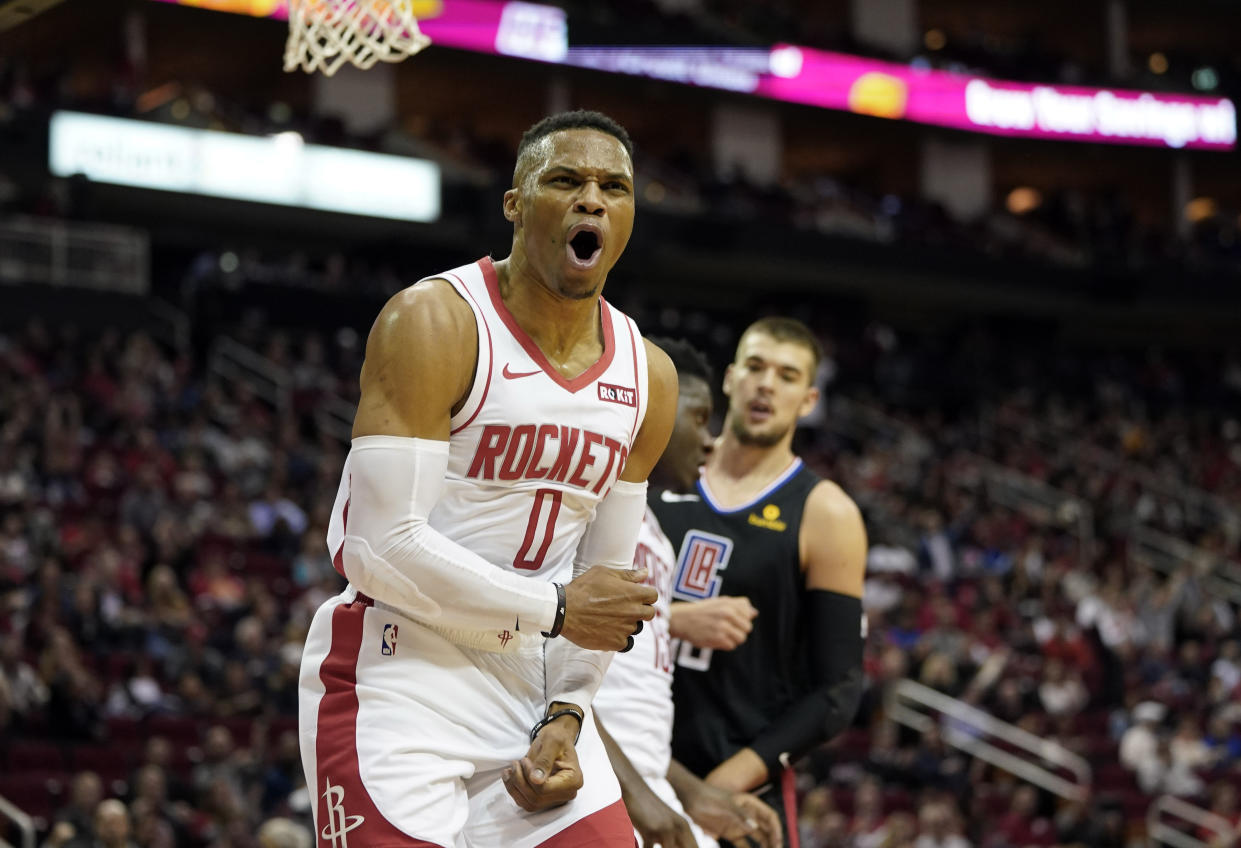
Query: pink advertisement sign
{"type": "Point", "coordinates": [829, 80]}
{"type": "Point", "coordinates": [901, 92]}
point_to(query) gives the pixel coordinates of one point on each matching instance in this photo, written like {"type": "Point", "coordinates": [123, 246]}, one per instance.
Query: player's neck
{"type": "Point", "coordinates": [736, 470]}
{"type": "Point", "coordinates": [560, 326]}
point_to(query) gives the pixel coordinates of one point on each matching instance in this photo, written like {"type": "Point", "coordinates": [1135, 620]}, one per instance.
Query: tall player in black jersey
{"type": "Point", "coordinates": [763, 526]}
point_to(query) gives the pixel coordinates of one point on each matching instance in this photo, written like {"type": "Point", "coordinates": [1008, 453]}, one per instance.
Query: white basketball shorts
{"type": "Point", "coordinates": [405, 734]}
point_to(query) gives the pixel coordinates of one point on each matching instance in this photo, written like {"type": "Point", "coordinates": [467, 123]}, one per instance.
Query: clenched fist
{"type": "Point", "coordinates": [721, 623]}
{"type": "Point", "coordinates": [605, 606]}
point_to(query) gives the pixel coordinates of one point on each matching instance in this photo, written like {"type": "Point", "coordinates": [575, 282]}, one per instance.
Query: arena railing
{"type": "Point", "coordinates": [1200, 507]}
{"type": "Point", "coordinates": [24, 823]}
{"type": "Point", "coordinates": [1159, 832]}
{"type": "Point", "coordinates": [334, 416]}
{"type": "Point", "coordinates": [1167, 554]}
{"type": "Point", "coordinates": [69, 253]}
{"type": "Point", "coordinates": [232, 361]}
{"type": "Point", "coordinates": [170, 324]}
{"type": "Point", "coordinates": [1038, 500]}
{"type": "Point", "coordinates": [1041, 502]}
{"type": "Point", "coordinates": [971, 730]}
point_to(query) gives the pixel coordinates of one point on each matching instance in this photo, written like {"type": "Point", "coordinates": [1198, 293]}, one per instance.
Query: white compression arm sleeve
{"type": "Point", "coordinates": [611, 539]}
{"type": "Point", "coordinates": [391, 553]}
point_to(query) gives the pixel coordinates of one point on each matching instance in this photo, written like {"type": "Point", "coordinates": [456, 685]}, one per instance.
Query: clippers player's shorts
{"type": "Point", "coordinates": [405, 734]}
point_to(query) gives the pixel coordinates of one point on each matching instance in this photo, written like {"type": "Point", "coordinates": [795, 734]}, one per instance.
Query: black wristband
{"type": "Point", "coordinates": [548, 719]}
{"type": "Point", "coordinates": [558, 622]}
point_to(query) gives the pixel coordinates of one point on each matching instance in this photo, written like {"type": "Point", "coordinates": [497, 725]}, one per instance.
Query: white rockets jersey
{"type": "Point", "coordinates": [635, 699]}
{"type": "Point", "coordinates": [531, 453]}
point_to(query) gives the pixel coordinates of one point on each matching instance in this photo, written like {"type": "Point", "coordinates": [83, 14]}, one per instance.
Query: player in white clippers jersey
{"type": "Point", "coordinates": [634, 705]}
{"type": "Point", "coordinates": [507, 423]}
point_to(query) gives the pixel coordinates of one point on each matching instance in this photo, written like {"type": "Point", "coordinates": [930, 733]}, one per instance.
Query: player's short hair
{"type": "Point", "coordinates": [689, 360]}
{"type": "Point", "coordinates": [788, 330]}
{"type": "Point", "coordinates": [578, 119]}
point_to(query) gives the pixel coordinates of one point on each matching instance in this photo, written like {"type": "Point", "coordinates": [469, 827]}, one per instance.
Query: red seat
{"type": "Point", "coordinates": [26, 755]}
{"type": "Point", "coordinates": [179, 730]}
{"type": "Point", "coordinates": [110, 762]}
{"type": "Point", "coordinates": [36, 793]}
{"type": "Point", "coordinates": [122, 729]}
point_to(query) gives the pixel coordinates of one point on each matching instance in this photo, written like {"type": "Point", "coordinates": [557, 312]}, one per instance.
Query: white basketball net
{"type": "Point", "coordinates": [325, 34]}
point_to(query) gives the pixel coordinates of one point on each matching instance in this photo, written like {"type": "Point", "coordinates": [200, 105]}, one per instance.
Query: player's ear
{"type": "Point", "coordinates": [809, 402]}
{"type": "Point", "coordinates": [512, 205]}
{"type": "Point", "coordinates": [728, 380]}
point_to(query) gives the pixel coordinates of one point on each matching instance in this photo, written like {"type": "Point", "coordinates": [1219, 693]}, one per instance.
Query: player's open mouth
{"type": "Point", "coordinates": [584, 246]}
{"type": "Point", "coordinates": [760, 410]}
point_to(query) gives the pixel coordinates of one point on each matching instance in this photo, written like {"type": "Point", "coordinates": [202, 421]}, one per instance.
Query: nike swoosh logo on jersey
{"type": "Point", "coordinates": [516, 375]}
{"type": "Point", "coordinates": [672, 497]}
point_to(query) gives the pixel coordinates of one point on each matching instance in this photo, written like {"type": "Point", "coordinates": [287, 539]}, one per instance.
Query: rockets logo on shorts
{"type": "Point", "coordinates": [387, 645]}
{"type": "Point", "coordinates": [338, 824]}
{"type": "Point", "coordinates": [703, 556]}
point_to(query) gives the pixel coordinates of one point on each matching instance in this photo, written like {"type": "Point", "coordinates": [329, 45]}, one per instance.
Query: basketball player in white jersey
{"type": "Point", "coordinates": [634, 705]}
{"type": "Point", "coordinates": [486, 520]}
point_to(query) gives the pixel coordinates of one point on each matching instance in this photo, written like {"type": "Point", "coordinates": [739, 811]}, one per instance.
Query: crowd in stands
{"type": "Point", "coordinates": [1022, 611]}
{"type": "Point", "coordinates": [161, 553]}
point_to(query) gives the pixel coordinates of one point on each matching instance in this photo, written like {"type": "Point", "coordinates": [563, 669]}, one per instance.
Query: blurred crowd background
{"type": "Point", "coordinates": [1037, 406]}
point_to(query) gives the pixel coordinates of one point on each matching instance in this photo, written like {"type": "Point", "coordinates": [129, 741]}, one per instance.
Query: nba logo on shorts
{"type": "Point", "coordinates": [387, 646]}
{"type": "Point", "coordinates": [703, 555]}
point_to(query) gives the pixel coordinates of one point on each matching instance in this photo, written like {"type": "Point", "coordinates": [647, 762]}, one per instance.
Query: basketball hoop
{"type": "Point", "coordinates": [325, 34]}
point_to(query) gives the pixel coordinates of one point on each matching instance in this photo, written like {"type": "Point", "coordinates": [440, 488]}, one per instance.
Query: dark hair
{"type": "Point", "coordinates": [689, 360]}
{"type": "Point", "coordinates": [789, 330]}
{"type": "Point", "coordinates": [579, 119]}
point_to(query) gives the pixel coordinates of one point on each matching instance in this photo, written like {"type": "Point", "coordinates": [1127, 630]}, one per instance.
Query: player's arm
{"type": "Point", "coordinates": [658, 823]}
{"type": "Point", "coordinates": [420, 359]}
{"type": "Point", "coordinates": [735, 816]}
{"type": "Point", "coordinates": [833, 555]}
{"type": "Point", "coordinates": [611, 538]}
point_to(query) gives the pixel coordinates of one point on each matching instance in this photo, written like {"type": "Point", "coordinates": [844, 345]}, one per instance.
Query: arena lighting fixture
{"type": "Point", "coordinates": [1023, 200]}
{"type": "Point", "coordinates": [1158, 63]}
{"type": "Point", "coordinates": [1200, 209]}
{"type": "Point", "coordinates": [935, 39]}
{"type": "Point", "coordinates": [1205, 78]}
{"type": "Point", "coordinates": [279, 169]}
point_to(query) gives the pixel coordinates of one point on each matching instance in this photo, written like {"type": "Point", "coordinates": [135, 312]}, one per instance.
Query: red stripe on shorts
{"type": "Point", "coordinates": [346, 815]}
{"type": "Point", "coordinates": [606, 828]}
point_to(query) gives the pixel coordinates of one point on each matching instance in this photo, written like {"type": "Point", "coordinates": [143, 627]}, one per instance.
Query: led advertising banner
{"type": "Point", "coordinates": [278, 169]}
{"type": "Point", "coordinates": [526, 30]}
{"type": "Point", "coordinates": [978, 104]}
{"type": "Point", "coordinates": [831, 80]}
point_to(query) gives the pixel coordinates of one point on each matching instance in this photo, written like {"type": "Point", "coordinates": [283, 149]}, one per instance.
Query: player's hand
{"type": "Point", "coordinates": [735, 816]}
{"type": "Point", "coordinates": [605, 606]}
{"type": "Point", "coordinates": [721, 623]}
{"type": "Point", "coordinates": [549, 774]}
{"type": "Point", "coordinates": [658, 823]}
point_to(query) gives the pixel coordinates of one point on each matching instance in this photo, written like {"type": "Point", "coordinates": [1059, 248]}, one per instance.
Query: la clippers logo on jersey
{"type": "Point", "coordinates": [387, 645]}
{"type": "Point", "coordinates": [338, 824]}
{"type": "Point", "coordinates": [549, 452]}
{"type": "Point", "coordinates": [617, 394]}
{"type": "Point", "coordinates": [703, 556]}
